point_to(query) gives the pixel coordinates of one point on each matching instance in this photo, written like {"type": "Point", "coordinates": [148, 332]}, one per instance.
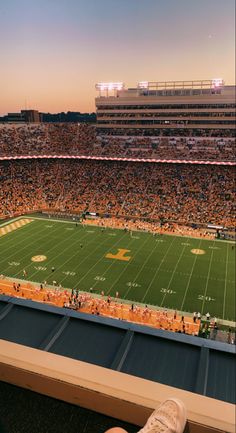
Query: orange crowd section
{"type": "Point", "coordinates": [103, 306]}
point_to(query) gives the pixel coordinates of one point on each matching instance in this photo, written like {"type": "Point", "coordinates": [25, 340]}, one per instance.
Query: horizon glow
{"type": "Point", "coordinates": [55, 51]}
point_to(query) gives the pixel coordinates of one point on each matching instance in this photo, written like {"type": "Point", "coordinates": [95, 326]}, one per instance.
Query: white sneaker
{"type": "Point", "coordinates": [170, 417]}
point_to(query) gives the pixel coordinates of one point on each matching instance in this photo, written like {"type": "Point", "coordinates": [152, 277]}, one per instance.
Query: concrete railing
{"type": "Point", "coordinates": [112, 393]}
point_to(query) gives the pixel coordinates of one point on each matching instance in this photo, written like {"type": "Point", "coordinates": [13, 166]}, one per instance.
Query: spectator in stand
{"type": "Point", "coordinates": [175, 193]}
{"type": "Point", "coordinates": [74, 139]}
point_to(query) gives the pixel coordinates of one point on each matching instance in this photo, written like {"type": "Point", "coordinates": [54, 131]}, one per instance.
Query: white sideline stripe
{"type": "Point", "coordinates": [207, 281]}
{"type": "Point", "coordinates": [226, 273]}
{"type": "Point", "coordinates": [126, 301]}
{"type": "Point", "coordinates": [117, 228]}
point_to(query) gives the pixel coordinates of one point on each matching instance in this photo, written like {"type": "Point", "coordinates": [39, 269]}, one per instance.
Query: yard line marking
{"type": "Point", "coordinates": [85, 258]}
{"type": "Point", "coordinates": [173, 273]}
{"type": "Point", "coordinates": [226, 273]}
{"type": "Point", "coordinates": [116, 228]}
{"type": "Point", "coordinates": [8, 240]}
{"type": "Point", "coordinates": [16, 246]}
{"type": "Point", "coordinates": [99, 260]}
{"type": "Point", "coordinates": [190, 276]}
{"type": "Point", "coordinates": [144, 263]}
{"type": "Point", "coordinates": [14, 226]}
{"type": "Point", "coordinates": [207, 281]}
{"type": "Point", "coordinates": [126, 266]}
{"type": "Point", "coordinates": [44, 230]}
{"type": "Point", "coordinates": [29, 229]}
{"type": "Point", "coordinates": [157, 270]}
{"type": "Point", "coordinates": [12, 243]}
{"type": "Point", "coordinates": [63, 251]}
{"type": "Point", "coordinates": [50, 249]}
{"type": "Point", "coordinates": [58, 220]}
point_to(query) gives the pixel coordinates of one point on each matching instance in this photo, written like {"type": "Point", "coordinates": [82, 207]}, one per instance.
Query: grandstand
{"type": "Point", "coordinates": [203, 108]}
{"type": "Point", "coordinates": [156, 121]}
{"type": "Point", "coordinates": [160, 163]}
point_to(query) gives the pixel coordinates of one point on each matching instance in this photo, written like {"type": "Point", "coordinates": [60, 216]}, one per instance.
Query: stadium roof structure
{"type": "Point", "coordinates": [213, 83]}
{"type": "Point", "coordinates": [193, 84]}
{"type": "Point", "coordinates": [190, 363]}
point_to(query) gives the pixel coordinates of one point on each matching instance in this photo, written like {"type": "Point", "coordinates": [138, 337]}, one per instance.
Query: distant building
{"type": "Point", "coordinates": [69, 117]}
{"type": "Point", "coordinates": [14, 117]}
{"type": "Point", "coordinates": [25, 116]}
{"type": "Point", "coordinates": [188, 108]}
{"type": "Point", "coordinates": [31, 116]}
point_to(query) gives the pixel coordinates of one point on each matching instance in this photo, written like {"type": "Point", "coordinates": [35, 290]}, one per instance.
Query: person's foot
{"type": "Point", "coordinates": [169, 417]}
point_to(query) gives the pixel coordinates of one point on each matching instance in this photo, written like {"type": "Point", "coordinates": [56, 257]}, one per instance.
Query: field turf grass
{"type": "Point", "coordinates": [161, 270]}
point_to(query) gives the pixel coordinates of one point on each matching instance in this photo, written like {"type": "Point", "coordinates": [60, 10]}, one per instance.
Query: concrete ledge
{"type": "Point", "coordinates": [112, 393]}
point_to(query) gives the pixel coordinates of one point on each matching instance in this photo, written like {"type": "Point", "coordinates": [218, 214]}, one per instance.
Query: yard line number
{"type": "Point", "coordinates": [132, 284]}
{"type": "Point", "coordinates": [167, 291]}
{"type": "Point", "coordinates": [99, 278]}
{"type": "Point", "coordinates": [69, 273]}
{"type": "Point", "coordinates": [205, 298]}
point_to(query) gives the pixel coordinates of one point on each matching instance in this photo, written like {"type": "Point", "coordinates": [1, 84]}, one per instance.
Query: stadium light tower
{"type": "Point", "coordinates": [217, 83]}
{"type": "Point", "coordinates": [109, 87]}
{"type": "Point", "coordinates": [143, 84]}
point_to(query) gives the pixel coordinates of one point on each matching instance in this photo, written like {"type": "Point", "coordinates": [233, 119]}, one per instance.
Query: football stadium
{"type": "Point", "coordinates": [174, 272]}
{"type": "Point", "coordinates": [117, 255]}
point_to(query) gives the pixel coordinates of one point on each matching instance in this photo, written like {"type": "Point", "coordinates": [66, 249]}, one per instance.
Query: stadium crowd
{"type": "Point", "coordinates": [82, 140]}
{"type": "Point", "coordinates": [184, 193]}
{"type": "Point", "coordinates": [103, 305]}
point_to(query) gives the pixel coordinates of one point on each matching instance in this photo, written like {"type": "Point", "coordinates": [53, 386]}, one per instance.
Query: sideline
{"type": "Point", "coordinates": [113, 308]}
{"type": "Point", "coordinates": [118, 228]}
{"type": "Point", "coordinates": [123, 301]}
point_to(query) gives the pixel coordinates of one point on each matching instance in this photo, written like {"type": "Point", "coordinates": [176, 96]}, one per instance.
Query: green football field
{"type": "Point", "coordinates": [182, 273]}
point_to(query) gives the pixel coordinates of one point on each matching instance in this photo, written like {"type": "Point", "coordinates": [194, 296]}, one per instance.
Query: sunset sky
{"type": "Point", "coordinates": [52, 52]}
